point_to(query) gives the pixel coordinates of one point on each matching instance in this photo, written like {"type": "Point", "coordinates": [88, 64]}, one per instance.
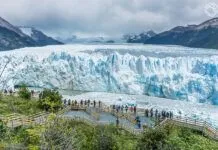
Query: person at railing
{"type": "Point", "coordinates": [94, 103]}
{"type": "Point", "coordinates": [99, 104]}
{"type": "Point", "coordinates": [139, 124]}
{"type": "Point", "coordinates": [85, 102]}
{"type": "Point", "coordinates": [5, 92]}
{"type": "Point", "coordinates": [156, 113]}
{"type": "Point", "coordinates": [88, 102]}
{"type": "Point", "coordinates": [65, 102]}
{"type": "Point", "coordinates": [81, 102]}
{"type": "Point", "coordinates": [117, 109]}
{"type": "Point", "coordinates": [113, 107]}
{"type": "Point", "coordinates": [117, 122]}
{"type": "Point", "coordinates": [171, 114]}
{"type": "Point", "coordinates": [122, 107]}
{"type": "Point", "coordinates": [134, 109]}
{"type": "Point", "coordinates": [151, 113]}
{"type": "Point", "coordinates": [159, 116]}
{"type": "Point", "coordinates": [32, 93]}
{"type": "Point", "coordinates": [75, 102]}
{"type": "Point", "coordinates": [10, 91]}
{"type": "Point", "coordinates": [126, 108]}
{"type": "Point", "coordinates": [146, 112]}
{"type": "Point", "coordinates": [167, 114]}
{"type": "Point", "coordinates": [69, 102]}
{"type": "Point", "coordinates": [163, 113]}
{"type": "Point", "coordinates": [131, 109]}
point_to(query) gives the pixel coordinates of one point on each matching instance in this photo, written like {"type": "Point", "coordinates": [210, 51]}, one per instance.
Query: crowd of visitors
{"type": "Point", "coordinates": [82, 103]}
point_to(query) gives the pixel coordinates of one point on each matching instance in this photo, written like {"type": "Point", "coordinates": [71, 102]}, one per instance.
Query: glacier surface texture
{"type": "Point", "coordinates": [172, 72]}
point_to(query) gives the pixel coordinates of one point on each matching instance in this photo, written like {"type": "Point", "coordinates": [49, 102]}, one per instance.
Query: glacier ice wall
{"type": "Point", "coordinates": [181, 78]}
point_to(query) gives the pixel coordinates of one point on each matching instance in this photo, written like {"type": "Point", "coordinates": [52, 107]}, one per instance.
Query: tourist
{"type": "Point", "coordinates": [5, 92]}
{"type": "Point", "coordinates": [139, 124]}
{"type": "Point", "coordinates": [69, 102]}
{"type": "Point", "coordinates": [126, 108]}
{"type": "Point", "coordinates": [167, 114]}
{"type": "Point", "coordinates": [65, 101]}
{"type": "Point", "coordinates": [117, 122]}
{"type": "Point", "coordinates": [32, 92]}
{"type": "Point", "coordinates": [113, 107]}
{"type": "Point", "coordinates": [122, 107]}
{"type": "Point", "coordinates": [171, 114]}
{"type": "Point", "coordinates": [99, 104]}
{"type": "Point", "coordinates": [94, 103]}
{"type": "Point", "coordinates": [151, 112]}
{"type": "Point", "coordinates": [146, 112]}
{"type": "Point", "coordinates": [81, 102]}
{"type": "Point", "coordinates": [131, 109]}
{"type": "Point", "coordinates": [159, 116]}
{"type": "Point", "coordinates": [156, 113]}
{"type": "Point", "coordinates": [88, 102]}
{"type": "Point", "coordinates": [10, 91]}
{"type": "Point", "coordinates": [85, 102]}
{"type": "Point", "coordinates": [134, 109]}
{"type": "Point", "coordinates": [117, 109]}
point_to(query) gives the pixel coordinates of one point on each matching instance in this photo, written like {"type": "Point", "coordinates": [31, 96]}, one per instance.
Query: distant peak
{"type": "Point", "coordinates": [209, 23]}
{"type": "Point", "coordinates": [7, 25]}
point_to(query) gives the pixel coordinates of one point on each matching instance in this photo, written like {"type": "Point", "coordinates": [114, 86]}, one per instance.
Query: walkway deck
{"type": "Point", "coordinates": [105, 115]}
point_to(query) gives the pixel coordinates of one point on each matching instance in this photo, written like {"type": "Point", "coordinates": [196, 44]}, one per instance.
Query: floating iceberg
{"type": "Point", "coordinates": [172, 72]}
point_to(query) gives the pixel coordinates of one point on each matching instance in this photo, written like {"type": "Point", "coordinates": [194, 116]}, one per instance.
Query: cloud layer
{"type": "Point", "coordinates": [102, 17]}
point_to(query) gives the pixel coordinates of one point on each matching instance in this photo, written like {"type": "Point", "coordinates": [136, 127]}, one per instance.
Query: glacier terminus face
{"type": "Point", "coordinates": [172, 72]}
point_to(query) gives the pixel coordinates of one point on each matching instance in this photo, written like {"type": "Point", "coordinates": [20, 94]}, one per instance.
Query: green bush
{"type": "Point", "coordinates": [153, 139]}
{"type": "Point", "coordinates": [50, 100]}
{"type": "Point", "coordinates": [24, 92]}
{"type": "Point", "coordinates": [2, 129]}
{"type": "Point", "coordinates": [1, 95]}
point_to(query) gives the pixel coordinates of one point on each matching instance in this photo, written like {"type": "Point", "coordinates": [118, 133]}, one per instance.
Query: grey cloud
{"type": "Point", "coordinates": [108, 17]}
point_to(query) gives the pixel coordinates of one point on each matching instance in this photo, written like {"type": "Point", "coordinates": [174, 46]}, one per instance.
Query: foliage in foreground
{"type": "Point", "coordinates": [50, 100]}
{"type": "Point", "coordinates": [69, 134]}
{"type": "Point", "coordinates": [173, 137]}
{"type": "Point", "coordinates": [24, 92]}
{"type": "Point", "coordinates": [12, 104]}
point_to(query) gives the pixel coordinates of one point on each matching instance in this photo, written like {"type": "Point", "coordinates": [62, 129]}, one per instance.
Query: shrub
{"type": "Point", "coordinates": [24, 92]}
{"type": "Point", "coordinates": [153, 139]}
{"type": "Point", "coordinates": [50, 100]}
{"type": "Point", "coordinates": [2, 129]}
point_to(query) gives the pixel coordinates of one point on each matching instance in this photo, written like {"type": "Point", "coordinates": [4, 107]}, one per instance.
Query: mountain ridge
{"type": "Point", "coordinates": [12, 37]}
{"type": "Point", "coordinates": [203, 35]}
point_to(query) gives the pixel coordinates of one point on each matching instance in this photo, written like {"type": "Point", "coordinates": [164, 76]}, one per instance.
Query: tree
{"type": "Point", "coordinates": [24, 92]}
{"type": "Point", "coordinates": [104, 139]}
{"type": "Point", "coordinates": [59, 135]}
{"type": "Point", "coordinates": [50, 100]}
{"type": "Point", "coordinates": [1, 95]}
{"type": "Point", "coordinates": [153, 139]}
{"type": "Point", "coordinates": [2, 129]}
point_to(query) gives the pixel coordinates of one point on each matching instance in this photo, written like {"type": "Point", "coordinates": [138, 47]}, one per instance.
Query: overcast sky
{"type": "Point", "coordinates": [103, 17]}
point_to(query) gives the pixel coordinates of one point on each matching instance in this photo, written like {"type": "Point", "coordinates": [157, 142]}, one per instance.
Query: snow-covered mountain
{"type": "Point", "coordinates": [7, 25]}
{"type": "Point", "coordinates": [172, 72]}
{"type": "Point", "coordinates": [88, 40]}
{"type": "Point", "coordinates": [138, 38]}
{"type": "Point", "coordinates": [12, 37]}
{"type": "Point", "coordinates": [38, 36]}
{"type": "Point", "coordinates": [204, 35]}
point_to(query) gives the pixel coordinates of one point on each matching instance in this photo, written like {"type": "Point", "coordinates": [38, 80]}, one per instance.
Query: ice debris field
{"type": "Point", "coordinates": [172, 72]}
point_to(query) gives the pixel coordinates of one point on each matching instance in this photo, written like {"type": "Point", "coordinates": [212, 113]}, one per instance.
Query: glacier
{"type": "Point", "coordinates": [173, 72]}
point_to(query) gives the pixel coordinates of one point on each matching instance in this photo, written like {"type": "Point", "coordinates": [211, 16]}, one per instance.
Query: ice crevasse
{"type": "Point", "coordinates": [189, 78]}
